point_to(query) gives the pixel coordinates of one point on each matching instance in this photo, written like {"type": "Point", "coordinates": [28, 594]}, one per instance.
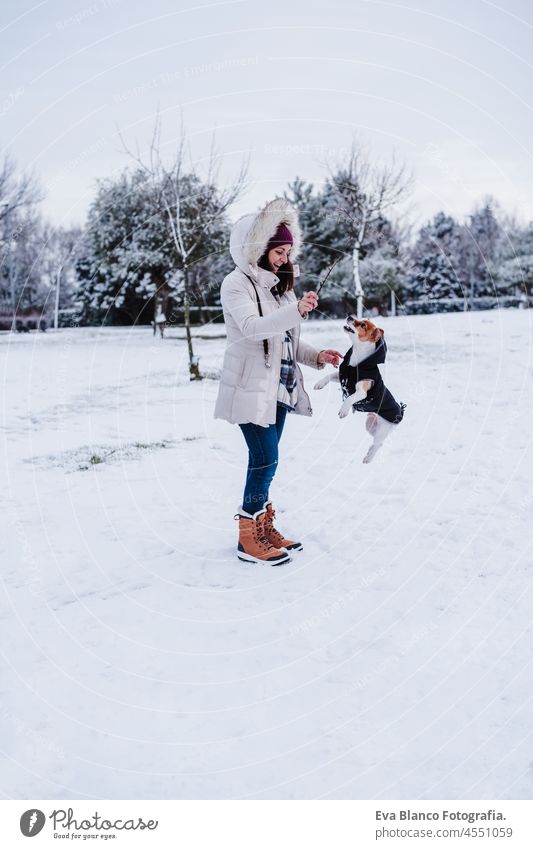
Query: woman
{"type": "Point", "coordinates": [261, 380]}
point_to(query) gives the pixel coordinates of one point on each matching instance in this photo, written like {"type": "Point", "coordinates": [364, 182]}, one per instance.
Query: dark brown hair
{"type": "Point", "coordinates": [285, 273]}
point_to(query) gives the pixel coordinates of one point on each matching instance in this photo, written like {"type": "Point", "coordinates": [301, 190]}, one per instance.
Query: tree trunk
{"type": "Point", "coordinates": [160, 302]}
{"type": "Point", "coordinates": [359, 294]}
{"type": "Point", "coordinates": [194, 369]}
{"type": "Point", "coordinates": [156, 311]}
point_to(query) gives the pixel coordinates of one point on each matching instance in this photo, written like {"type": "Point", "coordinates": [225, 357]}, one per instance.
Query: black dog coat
{"type": "Point", "coordinates": [379, 399]}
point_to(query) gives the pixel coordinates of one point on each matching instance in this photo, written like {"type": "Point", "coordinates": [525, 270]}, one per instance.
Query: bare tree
{"type": "Point", "coordinates": [193, 208]}
{"type": "Point", "coordinates": [19, 196]}
{"type": "Point", "coordinates": [17, 191]}
{"type": "Point", "coordinates": [362, 195]}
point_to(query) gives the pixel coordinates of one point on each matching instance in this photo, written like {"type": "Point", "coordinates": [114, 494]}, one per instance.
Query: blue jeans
{"type": "Point", "coordinates": [262, 445]}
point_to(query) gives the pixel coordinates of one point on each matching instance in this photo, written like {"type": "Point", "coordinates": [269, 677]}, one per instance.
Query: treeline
{"type": "Point", "coordinates": [34, 254]}
{"type": "Point", "coordinates": [480, 263]}
{"type": "Point", "coordinates": [156, 240]}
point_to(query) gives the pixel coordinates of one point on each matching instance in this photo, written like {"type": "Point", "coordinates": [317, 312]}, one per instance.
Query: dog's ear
{"type": "Point", "coordinates": [377, 334]}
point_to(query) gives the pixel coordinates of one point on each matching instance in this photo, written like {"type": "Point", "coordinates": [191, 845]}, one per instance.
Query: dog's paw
{"type": "Point", "coordinates": [343, 412]}
{"type": "Point", "coordinates": [370, 454]}
{"type": "Point", "coordinates": [320, 384]}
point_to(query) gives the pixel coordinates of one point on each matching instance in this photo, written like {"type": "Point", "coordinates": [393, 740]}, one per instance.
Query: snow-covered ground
{"type": "Point", "coordinates": [391, 659]}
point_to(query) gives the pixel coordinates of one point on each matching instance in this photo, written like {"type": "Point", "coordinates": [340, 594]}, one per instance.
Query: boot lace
{"type": "Point", "coordinates": [272, 531]}
{"type": "Point", "coordinates": [259, 533]}
{"type": "Point", "coordinates": [261, 538]}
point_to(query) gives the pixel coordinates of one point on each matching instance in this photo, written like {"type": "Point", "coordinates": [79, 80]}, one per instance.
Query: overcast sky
{"type": "Point", "coordinates": [446, 85]}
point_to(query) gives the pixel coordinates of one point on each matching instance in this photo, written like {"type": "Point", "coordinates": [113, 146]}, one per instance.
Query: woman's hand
{"type": "Point", "coordinates": [330, 356]}
{"type": "Point", "coordinates": [307, 303]}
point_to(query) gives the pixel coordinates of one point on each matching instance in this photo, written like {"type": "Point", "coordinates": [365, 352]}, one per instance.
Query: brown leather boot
{"type": "Point", "coordinates": [274, 537]}
{"type": "Point", "coordinates": [253, 546]}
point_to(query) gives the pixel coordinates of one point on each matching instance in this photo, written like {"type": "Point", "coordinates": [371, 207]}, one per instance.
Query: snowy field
{"type": "Point", "coordinates": [390, 660]}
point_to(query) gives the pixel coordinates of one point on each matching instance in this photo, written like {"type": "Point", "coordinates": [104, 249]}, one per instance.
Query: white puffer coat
{"type": "Point", "coordinates": [248, 389]}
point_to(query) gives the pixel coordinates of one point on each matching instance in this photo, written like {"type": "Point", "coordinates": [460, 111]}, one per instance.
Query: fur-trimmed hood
{"type": "Point", "coordinates": [251, 234]}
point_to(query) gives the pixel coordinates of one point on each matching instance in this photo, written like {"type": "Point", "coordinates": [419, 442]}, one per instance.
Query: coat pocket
{"type": "Point", "coordinates": [246, 371]}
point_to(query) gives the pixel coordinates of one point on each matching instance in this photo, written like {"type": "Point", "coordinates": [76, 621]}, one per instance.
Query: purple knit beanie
{"type": "Point", "coordinates": [282, 236]}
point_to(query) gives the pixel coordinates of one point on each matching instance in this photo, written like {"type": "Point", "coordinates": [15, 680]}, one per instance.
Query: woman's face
{"type": "Point", "coordinates": [278, 256]}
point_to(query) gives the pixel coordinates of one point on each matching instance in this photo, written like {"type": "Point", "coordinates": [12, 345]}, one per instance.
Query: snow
{"type": "Point", "coordinates": [390, 659]}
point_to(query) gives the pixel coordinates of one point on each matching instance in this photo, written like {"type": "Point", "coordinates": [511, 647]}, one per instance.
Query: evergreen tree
{"type": "Point", "coordinates": [514, 261]}
{"type": "Point", "coordinates": [125, 257]}
{"type": "Point", "coordinates": [322, 234]}
{"type": "Point", "coordinates": [207, 273]}
{"type": "Point", "coordinates": [481, 236]}
{"type": "Point", "coordinates": [435, 261]}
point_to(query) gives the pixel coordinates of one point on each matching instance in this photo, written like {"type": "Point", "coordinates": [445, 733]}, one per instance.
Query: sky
{"type": "Point", "coordinates": [445, 87]}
